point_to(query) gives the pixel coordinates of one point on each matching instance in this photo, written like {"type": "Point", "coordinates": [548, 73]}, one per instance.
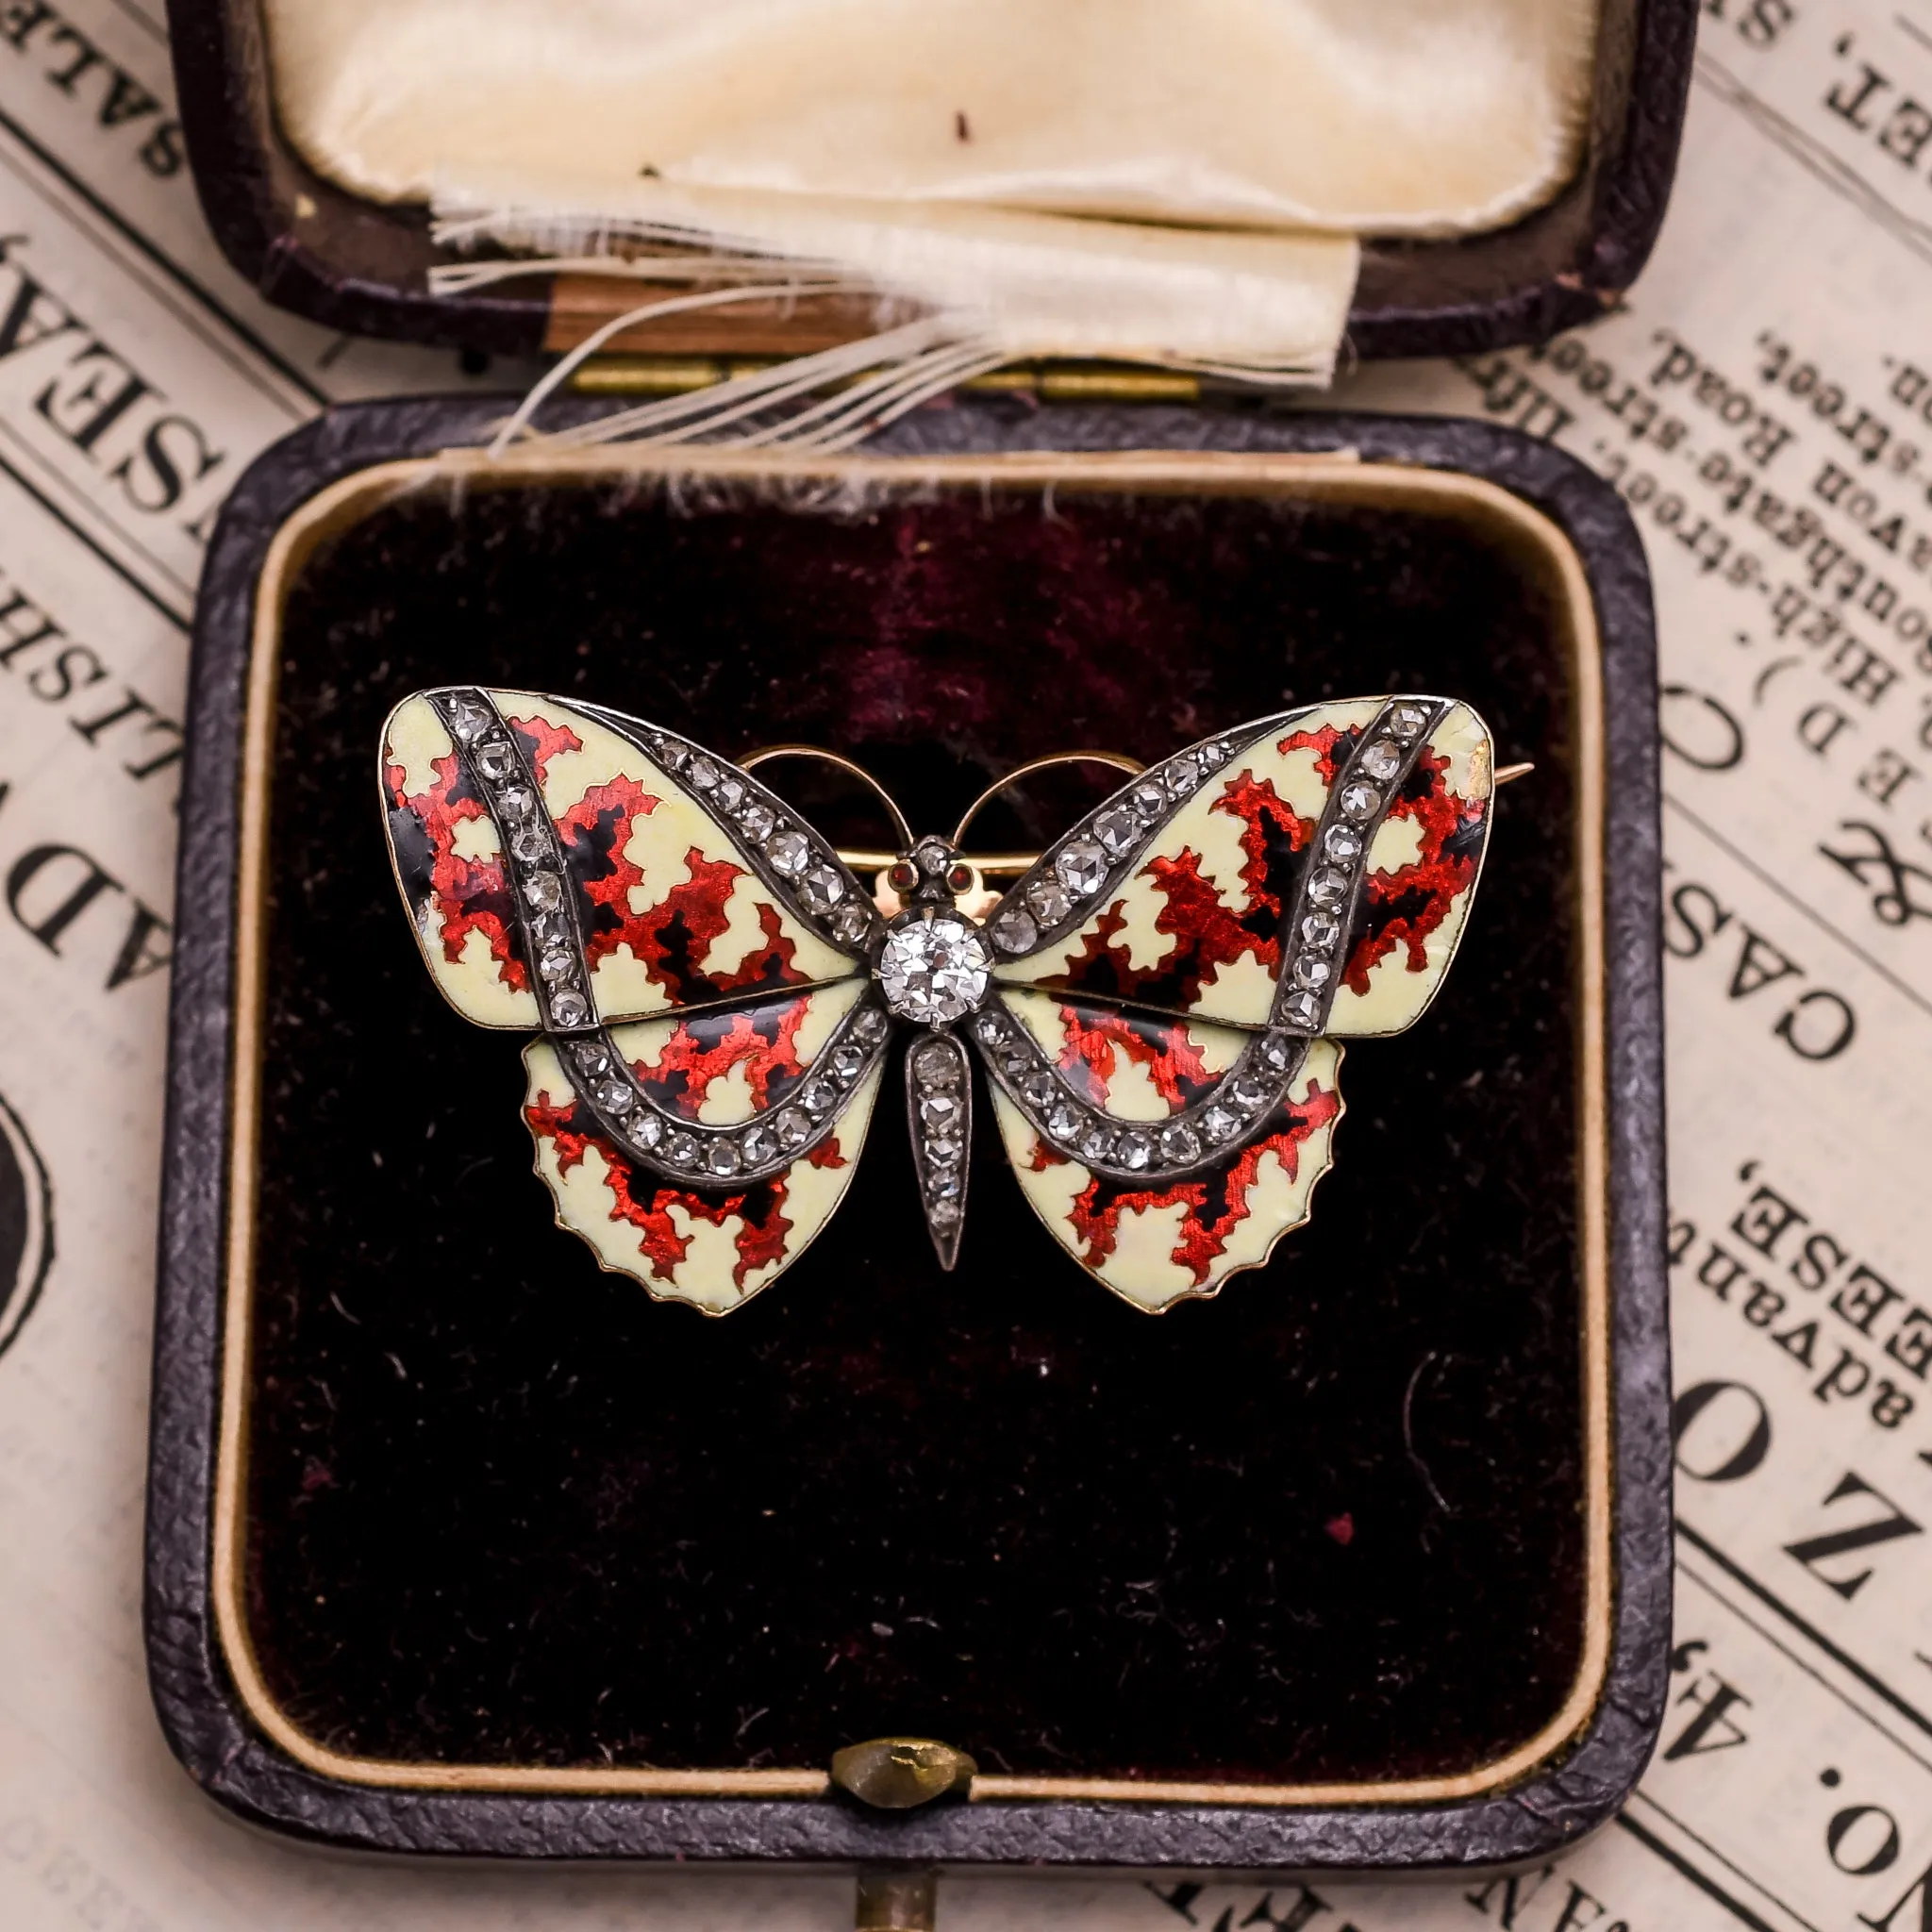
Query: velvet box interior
{"type": "Point", "coordinates": [459, 1543]}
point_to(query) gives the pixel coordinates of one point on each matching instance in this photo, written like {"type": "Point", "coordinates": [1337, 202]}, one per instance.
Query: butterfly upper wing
{"type": "Point", "coordinates": [1192, 888]}
{"type": "Point", "coordinates": [1177, 970]}
{"type": "Point", "coordinates": [679, 879]}
{"type": "Point", "coordinates": [696, 957]}
{"type": "Point", "coordinates": [1419, 882]}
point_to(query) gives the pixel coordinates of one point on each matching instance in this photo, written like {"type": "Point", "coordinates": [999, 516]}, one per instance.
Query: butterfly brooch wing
{"type": "Point", "coordinates": [1177, 975]}
{"type": "Point", "coordinates": [692, 958]}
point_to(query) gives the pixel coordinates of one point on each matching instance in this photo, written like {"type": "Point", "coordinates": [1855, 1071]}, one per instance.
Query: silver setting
{"type": "Point", "coordinates": [1322, 920]}
{"type": "Point", "coordinates": [1131, 1151]}
{"type": "Point", "coordinates": [646, 1131]}
{"type": "Point", "coordinates": [1080, 873]}
{"type": "Point", "coordinates": [938, 1115]}
{"type": "Point", "coordinates": [533, 860]}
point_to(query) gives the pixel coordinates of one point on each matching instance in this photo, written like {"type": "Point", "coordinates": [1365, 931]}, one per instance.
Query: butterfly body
{"type": "Point", "coordinates": [1157, 1002]}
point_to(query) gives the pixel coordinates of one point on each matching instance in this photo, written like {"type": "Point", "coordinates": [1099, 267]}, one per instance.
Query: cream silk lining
{"type": "Point", "coordinates": [1358, 117]}
{"type": "Point", "coordinates": [951, 156]}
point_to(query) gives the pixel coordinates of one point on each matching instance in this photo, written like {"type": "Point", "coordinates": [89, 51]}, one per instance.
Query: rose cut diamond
{"type": "Point", "coordinates": [1328, 887]}
{"type": "Point", "coordinates": [1300, 1009]}
{"type": "Point", "coordinates": [789, 852]}
{"type": "Point", "coordinates": [851, 923]}
{"type": "Point", "coordinates": [1381, 760]}
{"type": "Point", "coordinates": [934, 970]}
{"type": "Point", "coordinates": [1082, 866]}
{"type": "Point", "coordinates": [496, 761]}
{"type": "Point", "coordinates": [938, 1065]}
{"type": "Point", "coordinates": [1049, 899]}
{"type": "Point", "coordinates": [1015, 929]}
{"type": "Point", "coordinates": [1117, 828]}
{"type": "Point", "coordinates": [821, 888]}
{"type": "Point", "coordinates": [469, 720]}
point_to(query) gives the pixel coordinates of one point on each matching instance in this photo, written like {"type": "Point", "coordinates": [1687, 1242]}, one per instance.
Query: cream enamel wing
{"type": "Point", "coordinates": [1158, 1003]}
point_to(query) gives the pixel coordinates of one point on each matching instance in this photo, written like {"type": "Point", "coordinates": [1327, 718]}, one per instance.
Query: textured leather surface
{"type": "Point", "coordinates": [191, 1689]}
{"type": "Point", "coordinates": [361, 268]}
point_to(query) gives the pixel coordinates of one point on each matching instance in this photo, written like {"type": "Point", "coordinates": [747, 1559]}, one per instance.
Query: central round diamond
{"type": "Point", "coordinates": [934, 970]}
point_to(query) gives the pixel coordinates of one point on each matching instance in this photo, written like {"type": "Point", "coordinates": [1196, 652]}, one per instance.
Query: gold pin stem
{"type": "Point", "coordinates": [1004, 865]}
{"type": "Point", "coordinates": [863, 858]}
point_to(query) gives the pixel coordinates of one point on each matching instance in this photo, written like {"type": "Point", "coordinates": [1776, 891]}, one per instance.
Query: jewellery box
{"type": "Point", "coordinates": [460, 1544]}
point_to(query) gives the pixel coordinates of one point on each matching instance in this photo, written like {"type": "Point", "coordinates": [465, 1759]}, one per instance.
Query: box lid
{"type": "Point", "coordinates": [362, 266]}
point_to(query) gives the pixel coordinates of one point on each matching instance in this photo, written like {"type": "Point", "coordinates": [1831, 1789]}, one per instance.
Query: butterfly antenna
{"type": "Point", "coordinates": [1116, 760]}
{"type": "Point", "coordinates": [766, 754]}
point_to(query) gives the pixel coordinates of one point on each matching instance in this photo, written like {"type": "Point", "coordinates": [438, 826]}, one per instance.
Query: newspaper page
{"type": "Point", "coordinates": [1764, 402]}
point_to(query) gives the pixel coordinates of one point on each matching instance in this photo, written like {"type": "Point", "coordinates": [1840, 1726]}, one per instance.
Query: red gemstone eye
{"type": "Point", "coordinates": [903, 876]}
{"type": "Point", "coordinates": [960, 878]}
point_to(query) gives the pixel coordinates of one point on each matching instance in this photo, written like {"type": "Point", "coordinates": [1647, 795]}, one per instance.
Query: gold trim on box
{"type": "Point", "coordinates": [1328, 478]}
{"type": "Point", "coordinates": [1051, 382]}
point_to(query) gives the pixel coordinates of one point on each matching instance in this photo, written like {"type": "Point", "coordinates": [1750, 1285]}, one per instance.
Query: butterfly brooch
{"type": "Point", "coordinates": [1158, 1000]}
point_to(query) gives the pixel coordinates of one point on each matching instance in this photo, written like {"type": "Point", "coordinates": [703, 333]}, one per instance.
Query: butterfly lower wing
{"type": "Point", "coordinates": [701, 1154]}
{"type": "Point", "coordinates": [1156, 1238]}
{"type": "Point", "coordinates": [1312, 870]}
{"type": "Point", "coordinates": [565, 866]}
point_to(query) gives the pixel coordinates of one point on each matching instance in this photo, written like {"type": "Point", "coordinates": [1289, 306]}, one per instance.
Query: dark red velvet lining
{"type": "Point", "coordinates": [504, 1509]}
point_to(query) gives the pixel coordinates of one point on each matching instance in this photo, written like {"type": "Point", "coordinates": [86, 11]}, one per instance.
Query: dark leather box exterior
{"type": "Point", "coordinates": [204, 1719]}
{"type": "Point", "coordinates": [362, 267]}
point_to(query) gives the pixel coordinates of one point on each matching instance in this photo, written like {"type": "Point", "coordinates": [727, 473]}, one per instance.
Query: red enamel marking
{"type": "Point", "coordinates": [1094, 1046]}
{"type": "Point", "coordinates": [1330, 744]}
{"type": "Point", "coordinates": [680, 927]}
{"type": "Point", "coordinates": [1424, 890]}
{"type": "Point", "coordinates": [763, 1060]}
{"type": "Point", "coordinates": [760, 1239]}
{"type": "Point", "coordinates": [1266, 819]}
{"type": "Point", "coordinates": [460, 884]}
{"type": "Point", "coordinates": [1095, 1211]}
{"type": "Point", "coordinates": [545, 741]}
{"type": "Point", "coordinates": [1208, 932]}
